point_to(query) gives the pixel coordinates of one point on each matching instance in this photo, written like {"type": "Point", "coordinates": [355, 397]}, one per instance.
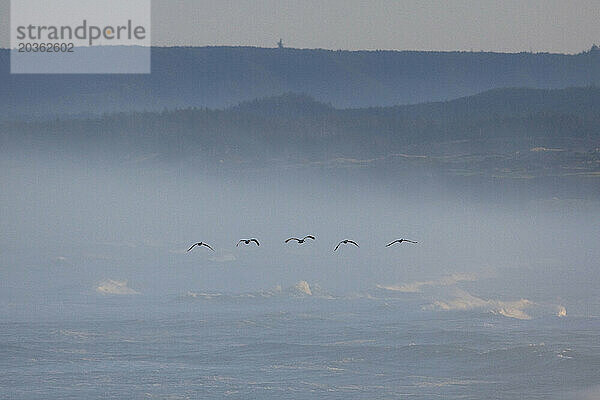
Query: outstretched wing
{"type": "Point", "coordinates": [292, 238]}
{"type": "Point", "coordinates": [195, 244]}
{"type": "Point", "coordinates": [353, 242]}
{"type": "Point", "coordinates": [204, 244]}
{"type": "Point", "coordinates": [309, 237]}
{"type": "Point", "coordinates": [409, 241]}
{"type": "Point", "coordinates": [338, 245]}
{"type": "Point", "coordinates": [255, 241]}
{"type": "Point", "coordinates": [395, 241]}
{"type": "Point", "coordinates": [238, 243]}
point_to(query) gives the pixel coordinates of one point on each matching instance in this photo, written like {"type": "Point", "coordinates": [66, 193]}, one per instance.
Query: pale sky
{"type": "Point", "coordinates": [506, 26]}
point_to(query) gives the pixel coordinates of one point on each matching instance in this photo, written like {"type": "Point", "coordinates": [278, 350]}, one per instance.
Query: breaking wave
{"type": "Point", "coordinates": [444, 295]}
{"type": "Point", "coordinates": [299, 290]}
{"type": "Point", "coordinates": [111, 286]}
{"type": "Point", "coordinates": [441, 295]}
{"type": "Point", "coordinates": [519, 309]}
{"type": "Point", "coordinates": [416, 287]}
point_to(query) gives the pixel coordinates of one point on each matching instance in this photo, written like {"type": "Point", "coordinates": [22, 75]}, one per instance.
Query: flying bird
{"type": "Point", "coordinates": [247, 241]}
{"type": "Point", "coordinates": [301, 240]}
{"type": "Point", "coordinates": [346, 241]}
{"type": "Point", "coordinates": [399, 241]}
{"type": "Point", "coordinates": [200, 244]}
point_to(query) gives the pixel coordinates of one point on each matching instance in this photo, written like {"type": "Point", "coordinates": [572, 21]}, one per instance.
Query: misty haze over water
{"type": "Point", "coordinates": [498, 299]}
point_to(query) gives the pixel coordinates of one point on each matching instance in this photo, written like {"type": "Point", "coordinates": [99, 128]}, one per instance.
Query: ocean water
{"type": "Point", "coordinates": [291, 347]}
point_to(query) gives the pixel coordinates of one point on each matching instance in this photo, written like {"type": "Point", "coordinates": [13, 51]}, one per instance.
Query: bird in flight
{"type": "Point", "coordinates": [346, 241]}
{"type": "Point", "coordinates": [301, 240]}
{"type": "Point", "coordinates": [399, 241]}
{"type": "Point", "coordinates": [199, 244]}
{"type": "Point", "coordinates": [247, 241]}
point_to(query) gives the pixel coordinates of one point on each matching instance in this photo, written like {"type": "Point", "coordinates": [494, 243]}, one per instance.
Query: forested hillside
{"type": "Point", "coordinates": [218, 77]}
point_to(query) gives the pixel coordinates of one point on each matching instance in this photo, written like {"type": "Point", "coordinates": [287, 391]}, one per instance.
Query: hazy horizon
{"type": "Point", "coordinates": [508, 27]}
{"type": "Point", "coordinates": [354, 50]}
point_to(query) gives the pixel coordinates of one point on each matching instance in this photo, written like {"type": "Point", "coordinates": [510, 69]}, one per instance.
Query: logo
{"type": "Point", "coordinates": [80, 36]}
{"type": "Point", "coordinates": [91, 33]}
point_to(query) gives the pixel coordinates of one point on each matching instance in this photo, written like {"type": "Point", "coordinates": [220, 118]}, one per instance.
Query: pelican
{"type": "Point", "coordinates": [247, 241]}
{"type": "Point", "coordinates": [199, 244]}
{"type": "Point", "coordinates": [346, 241]}
{"type": "Point", "coordinates": [399, 241]}
{"type": "Point", "coordinates": [301, 240]}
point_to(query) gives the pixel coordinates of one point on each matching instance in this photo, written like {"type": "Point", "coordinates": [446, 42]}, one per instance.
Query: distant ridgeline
{"type": "Point", "coordinates": [218, 77]}
{"type": "Point", "coordinates": [281, 125]}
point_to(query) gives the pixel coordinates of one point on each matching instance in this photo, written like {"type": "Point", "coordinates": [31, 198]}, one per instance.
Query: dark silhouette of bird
{"type": "Point", "coordinates": [301, 240]}
{"type": "Point", "coordinates": [199, 244]}
{"type": "Point", "coordinates": [247, 241]}
{"type": "Point", "coordinates": [399, 241]}
{"type": "Point", "coordinates": [346, 241]}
